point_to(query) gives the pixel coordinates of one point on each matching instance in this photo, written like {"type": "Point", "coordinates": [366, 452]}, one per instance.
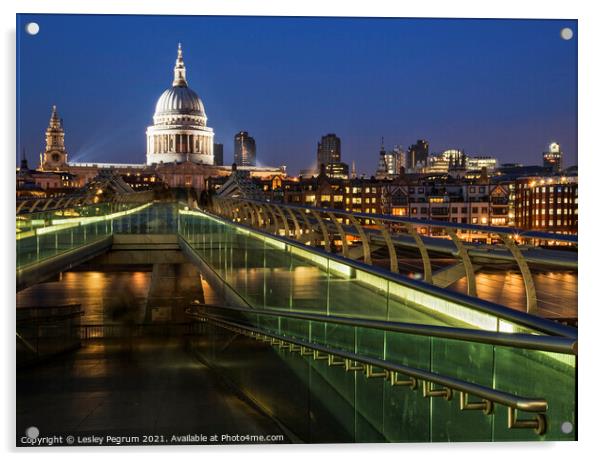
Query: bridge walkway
{"type": "Point", "coordinates": [133, 387]}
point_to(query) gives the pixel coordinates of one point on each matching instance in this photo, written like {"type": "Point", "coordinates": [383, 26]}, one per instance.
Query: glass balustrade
{"type": "Point", "coordinates": [371, 409]}
{"type": "Point", "coordinates": [268, 272]}
{"type": "Point", "coordinates": [44, 235]}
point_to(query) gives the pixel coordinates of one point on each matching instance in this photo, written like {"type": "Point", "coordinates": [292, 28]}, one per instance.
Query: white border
{"type": "Point", "coordinates": [590, 79]}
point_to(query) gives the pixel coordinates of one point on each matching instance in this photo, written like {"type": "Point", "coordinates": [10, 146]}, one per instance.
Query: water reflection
{"type": "Point", "coordinates": [106, 297]}
{"type": "Point", "coordinates": [556, 291]}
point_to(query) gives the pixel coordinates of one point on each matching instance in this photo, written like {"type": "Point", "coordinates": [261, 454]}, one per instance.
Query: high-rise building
{"type": "Point", "coordinates": [244, 149]}
{"type": "Point", "coordinates": [417, 155]}
{"type": "Point", "coordinates": [329, 149]}
{"type": "Point", "coordinates": [329, 155]}
{"type": "Point", "coordinates": [55, 154]}
{"type": "Point", "coordinates": [553, 158]}
{"type": "Point", "coordinates": [218, 154]}
{"type": "Point", "coordinates": [390, 162]}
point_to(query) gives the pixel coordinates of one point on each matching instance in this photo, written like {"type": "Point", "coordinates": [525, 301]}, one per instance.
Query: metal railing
{"type": "Point", "coordinates": [400, 375]}
{"type": "Point", "coordinates": [560, 344]}
{"type": "Point", "coordinates": [138, 330]}
{"type": "Point", "coordinates": [46, 331]}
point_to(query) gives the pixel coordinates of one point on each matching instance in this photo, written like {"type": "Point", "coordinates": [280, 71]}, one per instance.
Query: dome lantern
{"type": "Point", "coordinates": [179, 71]}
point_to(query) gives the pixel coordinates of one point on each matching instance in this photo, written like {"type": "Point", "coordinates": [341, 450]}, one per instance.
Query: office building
{"type": "Point", "coordinates": [244, 149]}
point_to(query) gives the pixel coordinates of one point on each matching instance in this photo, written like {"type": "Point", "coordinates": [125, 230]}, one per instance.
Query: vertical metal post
{"type": "Point", "coordinates": [284, 219]}
{"type": "Point", "coordinates": [298, 230]}
{"type": "Point", "coordinates": [471, 284]}
{"type": "Point", "coordinates": [424, 254]}
{"type": "Point", "coordinates": [394, 266]}
{"type": "Point", "coordinates": [306, 221]}
{"type": "Point", "coordinates": [323, 228]}
{"type": "Point", "coordinates": [341, 232]}
{"type": "Point", "coordinates": [364, 238]}
{"type": "Point", "coordinates": [524, 270]}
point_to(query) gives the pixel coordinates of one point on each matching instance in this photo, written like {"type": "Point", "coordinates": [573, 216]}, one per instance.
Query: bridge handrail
{"type": "Point", "coordinates": [513, 231]}
{"type": "Point", "coordinates": [490, 396]}
{"type": "Point", "coordinates": [558, 344]}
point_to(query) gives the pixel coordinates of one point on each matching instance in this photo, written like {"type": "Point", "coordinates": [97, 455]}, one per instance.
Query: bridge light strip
{"type": "Point", "coordinates": [91, 219]}
{"type": "Point", "coordinates": [62, 224]}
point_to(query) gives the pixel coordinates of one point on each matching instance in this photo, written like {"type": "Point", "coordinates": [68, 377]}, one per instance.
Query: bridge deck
{"type": "Point", "coordinates": [132, 387]}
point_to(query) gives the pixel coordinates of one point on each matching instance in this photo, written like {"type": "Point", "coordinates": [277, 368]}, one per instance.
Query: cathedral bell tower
{"type": "Point", "coordinates": [55, 155]}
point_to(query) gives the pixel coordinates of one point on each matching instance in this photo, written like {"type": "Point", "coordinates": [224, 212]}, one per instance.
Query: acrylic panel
{"type": "Point", "coordinates": [273, 230]}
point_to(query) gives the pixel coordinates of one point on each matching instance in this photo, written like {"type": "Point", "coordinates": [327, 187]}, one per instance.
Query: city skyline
{"type": "Point", "coordinates": [522, 117]}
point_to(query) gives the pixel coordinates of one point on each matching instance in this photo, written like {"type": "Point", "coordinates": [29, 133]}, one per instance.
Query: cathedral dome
{"type": "Point", "coordinates": [179, 100]}
{"type": "Point", "coordinates": [180, 105]}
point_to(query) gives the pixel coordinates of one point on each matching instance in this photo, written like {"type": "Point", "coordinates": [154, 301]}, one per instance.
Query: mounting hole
{"type": "Point", "coordinates": [566, 427]}
{"type": "Point", "coordinates": [32, 28]}
{"type": "Point", "coordinates": [32, 432]}
{"type": "Point", "coordinates": [566, 33]}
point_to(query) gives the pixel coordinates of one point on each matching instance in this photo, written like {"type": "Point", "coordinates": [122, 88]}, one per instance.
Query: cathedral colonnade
{"type": "Point", "coordinates": [180, 143]}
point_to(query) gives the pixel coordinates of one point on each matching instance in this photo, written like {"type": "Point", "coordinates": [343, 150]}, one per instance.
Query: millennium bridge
{"type": "Point", "coordinates": [320, 324]}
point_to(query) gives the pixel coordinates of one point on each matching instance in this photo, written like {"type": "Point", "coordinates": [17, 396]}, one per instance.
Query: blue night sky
{"type": "Point", "coordinates": [491, 87]}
